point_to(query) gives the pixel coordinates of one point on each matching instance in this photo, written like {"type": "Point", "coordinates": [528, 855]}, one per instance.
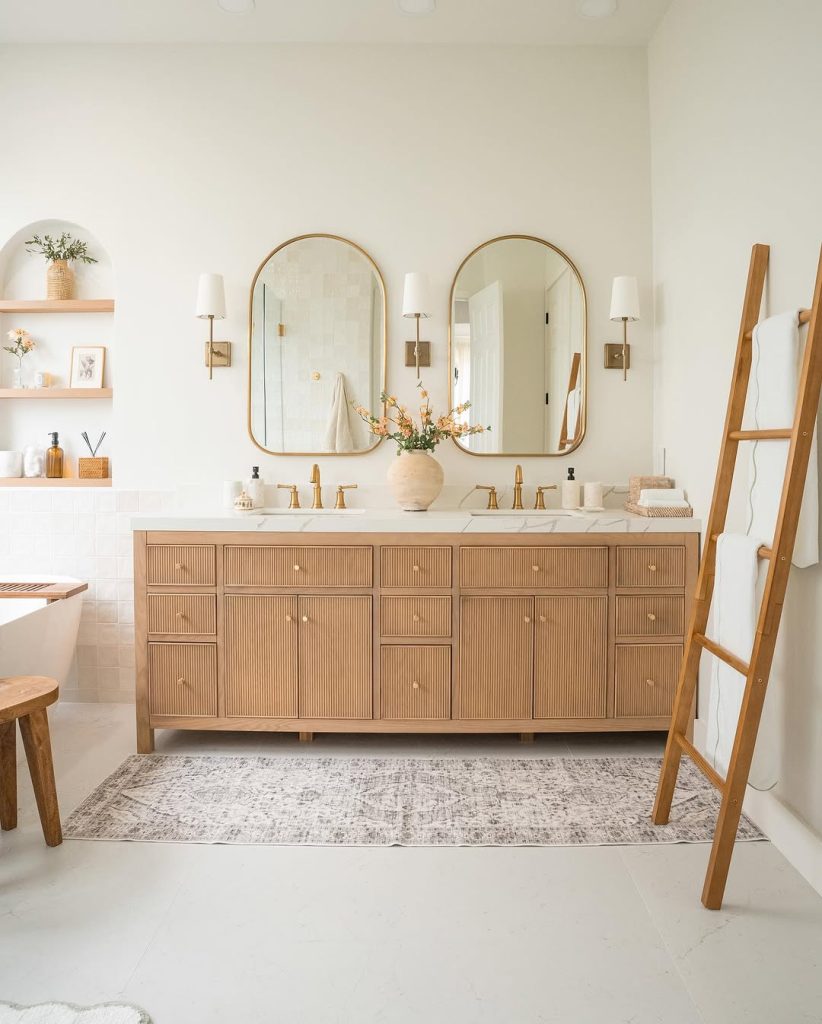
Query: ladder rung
{"type": "Point", "coordinates": [783, 434]}
{"type": "Point", "coordinates": [763, 551]}
{"type": "Point", "coordinates": [804, 318]}
{"type": "Point", "coordinates": [710, 773]}
{"type": "Point", "coordinates": [720, 652]}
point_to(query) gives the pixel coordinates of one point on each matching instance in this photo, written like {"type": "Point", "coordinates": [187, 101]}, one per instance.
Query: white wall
{"type": "Point", "coordinates": [183, 159]}
{"type": "Point", "coordinates": [736, 154]}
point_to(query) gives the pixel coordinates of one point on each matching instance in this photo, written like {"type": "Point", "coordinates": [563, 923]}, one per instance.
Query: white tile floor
{"type": "Point", "coordinates": [254, 935]}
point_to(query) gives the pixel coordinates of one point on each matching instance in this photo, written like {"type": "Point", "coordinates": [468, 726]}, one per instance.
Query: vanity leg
{"type": "Point", "coordinates": [306, 737]}
{"type": "Point", "coordinates": [526, 737]}
{"type": "Point", "coordinates": [145, 739]}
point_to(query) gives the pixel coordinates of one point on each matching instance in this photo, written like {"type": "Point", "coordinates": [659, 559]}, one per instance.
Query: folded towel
{"type": "Point", "coordinates": [662, 503]}
{"type": "Point", "coordinates": [772, 403]}
{"type": "Point", "coordinates": [338, 433]}
{"type": "Point", "coordinates": [664, 494]}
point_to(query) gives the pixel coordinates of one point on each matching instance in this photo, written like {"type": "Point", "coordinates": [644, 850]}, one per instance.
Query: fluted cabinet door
{"type": "Point", "coordinates": [335, 657]}
{"type": "Point", "coordinates": [260, 670]}
{"type": "Point", "coordinates": [570, 657]}
{"type": "Point", "coordinates": [496, 657]}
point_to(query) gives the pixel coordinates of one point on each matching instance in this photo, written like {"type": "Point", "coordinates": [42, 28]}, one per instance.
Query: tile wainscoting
{"type": "Point", "coordinates": [85, 534]}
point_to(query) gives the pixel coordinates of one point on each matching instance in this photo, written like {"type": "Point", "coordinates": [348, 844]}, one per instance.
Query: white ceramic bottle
{"type": "Point", "coordinates": [255, 488]}
{"type": "Point", "coordinates": [570, 491]}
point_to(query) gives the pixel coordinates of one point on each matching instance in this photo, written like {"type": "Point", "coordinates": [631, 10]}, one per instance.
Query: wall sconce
{"type": "Point", "coordinates": [415, 300]}
{"type": "Point", "coordinates": [624, 307]}
{"type": "Point", "coordinates": [211, 307]}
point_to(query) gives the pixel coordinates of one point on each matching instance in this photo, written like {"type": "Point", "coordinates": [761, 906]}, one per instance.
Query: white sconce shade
{"type": "Point", "coordinates": [415, 298]}
{"type": "Point", "coordinates": [211, 297]}
{"type": "Point", "coordinates": [625, 299]}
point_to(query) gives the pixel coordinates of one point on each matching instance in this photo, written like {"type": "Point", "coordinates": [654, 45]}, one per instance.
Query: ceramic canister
{"type": "Point", "coordinates": [11, 464]}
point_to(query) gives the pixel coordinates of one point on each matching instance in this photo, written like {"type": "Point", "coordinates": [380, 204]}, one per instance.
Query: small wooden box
{"type": "Point", "coordinates": [93, 469]}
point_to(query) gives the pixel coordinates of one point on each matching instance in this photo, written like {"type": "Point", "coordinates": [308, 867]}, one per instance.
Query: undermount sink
{"type": "Point", "coordinates": [521, 512]}
{"type": "Point", "coordinates": [308, 512]}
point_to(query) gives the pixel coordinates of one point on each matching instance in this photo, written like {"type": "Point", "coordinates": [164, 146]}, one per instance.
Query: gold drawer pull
{"type": "Point", "coordinates": [527, 618]}
{"type": "Point", "coordinates": [180, 615]}
{"type": "Point", "coordinates": [542, 618]}
{"type": "Point", "coordinates": [416, 618]}
{"type": "Point", "coordinates": [415, 568]}
{"type": "Point", "coordinates": [296, 568]}
{"type": "Point", "coordinates": [178, 565]}
{"type": "Point", "coordinates": [535, 568]}
{"type": "Point", "coordinates": [650, 682]}
{"type": "Point", "coordinates": [181, 681]}
{"type": "Point", "coordinates": [651, 617]}
{"type": "Point", "coordinates": [288, 618]}
{"type": "Point", "coordinates": [305, 618]}
{"type": "Point", "coordinates": [415, 685]}
{"type": "Point", "coordinates": [652, 568]}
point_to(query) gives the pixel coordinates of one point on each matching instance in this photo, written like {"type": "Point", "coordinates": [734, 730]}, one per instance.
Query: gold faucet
{"type": "Point", "coordinates": [492, 494]}
{"type": "Point", "coordinates": [318, 492]}
{"type": "Point", "coordinates": [295, 494]}
{"type": "Point", "coordinates": [540, 499]}
{"type": "Point", "coordinates": [517, 487]}
{"type": "Point", "coordinates": [341, 489]}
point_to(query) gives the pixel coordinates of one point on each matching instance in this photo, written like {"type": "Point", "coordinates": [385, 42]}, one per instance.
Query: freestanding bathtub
{"type": "Point", "coordinates": [38, 637]}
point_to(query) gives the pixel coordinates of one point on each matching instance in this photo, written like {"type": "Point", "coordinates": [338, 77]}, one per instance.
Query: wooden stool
{"type": "Point", "coordinates": [26, 698]}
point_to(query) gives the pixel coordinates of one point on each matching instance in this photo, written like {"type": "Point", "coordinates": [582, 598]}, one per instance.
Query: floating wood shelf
{"type": "Point", "coordinates": [56, 305]}
{"type": "Point", "coordinates": [81, 393]}
{"type": "Point", "coordinates": [41, 481]}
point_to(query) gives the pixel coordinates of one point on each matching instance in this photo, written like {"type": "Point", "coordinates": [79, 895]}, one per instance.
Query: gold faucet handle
{"type": "Point", "coordinates": [540, 502]}
{"type": "Point", "coordinates": [492, 494]}
{"type": "Point", "coordinates": [341, 489]}
{"type": "Point", "coordinates": [295, 494]}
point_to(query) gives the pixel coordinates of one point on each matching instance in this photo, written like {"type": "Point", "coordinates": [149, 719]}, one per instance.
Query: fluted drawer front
{"type": "Point", "coordinates": [415, 567]}
{"type": "Point", "coordinates": [182, 679]}
{"type": "Point", "coordinates": [182, 613]}
{"type": "Point", "coordinates": [555, 567]}
{"type": "Point", "coordinates": [646, 677]}
{"type": "Point", "coordinates": [650, 615]}
{"type": "Point", "coordinates": [415, 682]}
{"type": "Point", "coordinates": [180, 565]}
{"type": "Point", "coordinates": [298, 566]}
{"type": "Point", "coordinates": [415, 616]}
{"type": "Point", "coordinates": [650, 566]}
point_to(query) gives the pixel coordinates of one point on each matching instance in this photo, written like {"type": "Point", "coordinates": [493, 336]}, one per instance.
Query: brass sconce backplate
{"type": "Point", "coordinates": [425, 353]}
{"type": "Point", "coordinates": [221, 355]}
{"type": "Point", "coordinates": [613, 356]}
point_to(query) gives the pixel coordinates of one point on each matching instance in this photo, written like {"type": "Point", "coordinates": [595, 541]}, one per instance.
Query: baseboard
{"type": "Point", "coordinates": [793, 837]}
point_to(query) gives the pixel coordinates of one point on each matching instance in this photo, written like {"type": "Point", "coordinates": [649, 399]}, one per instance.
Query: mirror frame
{"type": "Point", "coordinates": [584, 407]}
{"type": "Point", "coordinates": [384, 385]}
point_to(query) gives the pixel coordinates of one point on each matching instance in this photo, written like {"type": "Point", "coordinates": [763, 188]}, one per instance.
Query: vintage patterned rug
{"type": "Point", "coordinates": [334, 801]}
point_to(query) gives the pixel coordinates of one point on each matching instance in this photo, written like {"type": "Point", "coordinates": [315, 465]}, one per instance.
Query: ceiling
{"type": "Point", "coordinates": [535, 22]}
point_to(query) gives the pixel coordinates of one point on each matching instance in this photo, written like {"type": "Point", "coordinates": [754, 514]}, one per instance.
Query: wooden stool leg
{"type": "Point", "coordinates": [306, 737]}
{"type": "Point", "coordinates": [34, 729]}
{"type": "Point", "coordinates": [526, 737]}
{"type": "Point", "coordinates": [8, 775]}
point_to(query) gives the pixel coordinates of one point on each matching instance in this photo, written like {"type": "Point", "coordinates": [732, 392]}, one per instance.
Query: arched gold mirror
{"type": "Point", "coordinates": [317, 342]}
{"type": "Point", "coordinates": [517, 344]}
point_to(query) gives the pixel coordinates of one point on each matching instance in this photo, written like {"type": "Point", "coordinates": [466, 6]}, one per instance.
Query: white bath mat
{"type": "Point", "coordinates": [66, 1013]}
{"type": "Point", "coordinates": [333, 801]}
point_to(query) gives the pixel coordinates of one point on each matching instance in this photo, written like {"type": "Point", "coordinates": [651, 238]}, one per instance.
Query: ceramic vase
{"type": "Point", "coordinates": [59, 280]}
{"type": "Point", "coordinates": [415, 479]}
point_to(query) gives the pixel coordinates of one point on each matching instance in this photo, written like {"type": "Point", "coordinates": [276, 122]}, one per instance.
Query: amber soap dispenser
{"type": "Point", "coordinates": [54, 459]}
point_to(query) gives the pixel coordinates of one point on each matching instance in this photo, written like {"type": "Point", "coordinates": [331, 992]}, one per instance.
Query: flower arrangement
{"type": "Point", "coordinates": [63, 248]}
{"type": "Point", "coordinates": [23, 344]}
{"type": "Point", "coordinates": [398, 423]}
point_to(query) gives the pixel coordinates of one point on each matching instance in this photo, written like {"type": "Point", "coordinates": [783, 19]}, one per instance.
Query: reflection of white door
{"type": "Point", "coordinates": [557, 356]}
{"type": "Point", "coordinates": [485, 318]}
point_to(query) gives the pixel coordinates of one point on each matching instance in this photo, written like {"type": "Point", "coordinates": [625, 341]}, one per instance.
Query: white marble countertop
{"type": "Point", "coordinates": [397, 521]}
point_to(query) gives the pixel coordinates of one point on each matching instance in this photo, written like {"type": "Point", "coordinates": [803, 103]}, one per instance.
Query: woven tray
{"type": "Point", "coordinates": [663, 512]}
{"type": "Point", "coordinates": [641, 483]}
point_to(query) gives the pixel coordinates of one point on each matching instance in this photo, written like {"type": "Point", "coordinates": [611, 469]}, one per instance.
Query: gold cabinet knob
{"type": "Point", "coordinates": [652, 568]}
{"type": "Point", "coordinates": [542, 618]}
{"type": "Point", "coordinates": [415, 568]}
{"type": "Point", "coordinates": [178, 565]}
{"type": "Point", "coordinates": [305, 618]}
{"type": "Point", "coordinates": [651, 617]}
{"type": "Point", "coordinates": [179, 615]}
{"type": "Point", "coordinates": [650, 682]}
{"type": "Point", "coordinates": [181, 681]}
{"type": "Point", "coordinates": [527, 618]}
{"type": "Point", "coordinates": [415, 685]}
{"type": "Point", "coordinates": [535, 568]}
{"type": "Point", "coordinates": [416, 618]}
{"type": "Point", "coordinates": [296, 568]}
{"type": "Point", "coordinates": [288, 618]}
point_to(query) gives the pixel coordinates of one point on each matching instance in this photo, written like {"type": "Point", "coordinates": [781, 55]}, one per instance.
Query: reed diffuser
{"type": "Point", "coordinates": [94, 468]}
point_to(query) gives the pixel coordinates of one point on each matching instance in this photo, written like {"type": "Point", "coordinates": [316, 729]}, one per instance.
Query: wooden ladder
{"type": "Point", "coordinates": [757, 671]}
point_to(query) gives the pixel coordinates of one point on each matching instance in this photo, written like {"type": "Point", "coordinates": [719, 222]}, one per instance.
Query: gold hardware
{"type": "Point", "coordinates": [296, 568]}
{"type": "Point", "coordinates": [527, 618]}
{"type": "Point", "coordinates": [415, 685]}
{"type": "Point", "coordinates": [613, 356]}
{"type": "Point", "coordinates": [492, 494]}
{"type": "Point", "coordinates": [180, 615]}
{"type": "Point", "coordinates": [288, 618]}
{"type": "Point", "coordinates": [280, 330]}
{"type": "Point", "coordinates": [315, 480]}
{"type": "Point", "coordinates": [305, 618]}
{"type": "Point", "coordinates": [315, 375]}
{"type": "Point", "coordinates": [651, 616]}
{"type": "Point", "coordinates": [542, 618]}
{"type": "Point", "coordinates": [340, 502]}
{"type": "Point", "coordinates": [178, 565]}
{"type": "Point", "coordinates": [652, 568]}
{"type": "Point", "coordinates": [540, 501]}
{"type": "Point", "coordinates": [181, 681]}
{"type": "Point", "coordinates": [220, 353]}
{"type": "Point", "coordinates": [295, 494]}
{"type": "Point", "coordinates": [424, 348]}
{"type": "Point", "coordinates": [535, 568]}
{"type": "Point", "coordinates": [416, 618]}
{"type": "Point", "coordinates": [415, 568]}
{"type": "Point", "coordinates": [517, 487]}
{"type": "Point", "coordinates": [650, 682]}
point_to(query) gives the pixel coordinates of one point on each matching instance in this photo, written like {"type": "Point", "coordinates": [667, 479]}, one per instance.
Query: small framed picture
{"type": "Point", "coordinates": [87, 365]}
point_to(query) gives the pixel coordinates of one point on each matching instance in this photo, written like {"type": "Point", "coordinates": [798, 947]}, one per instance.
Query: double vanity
{"type": "Point", "coordinates": [410, 622]}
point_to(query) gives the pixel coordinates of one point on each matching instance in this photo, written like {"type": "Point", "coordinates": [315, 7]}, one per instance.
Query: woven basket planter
{"type": "Point", "coordinates": [93, 469]}
{"type": "Point", "coordinates": [59, 280]}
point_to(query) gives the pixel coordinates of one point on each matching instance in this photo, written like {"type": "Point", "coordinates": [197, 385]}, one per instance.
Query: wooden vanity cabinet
{"type": "Point", "coordinates": [368, 632]}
